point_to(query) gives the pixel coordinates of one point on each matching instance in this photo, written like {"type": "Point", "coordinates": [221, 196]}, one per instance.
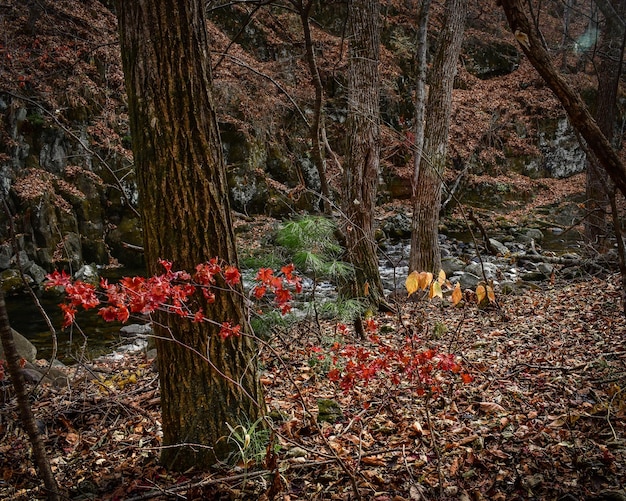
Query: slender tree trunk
{"type": "Point", "coordinates": [316, 124]}
{"type": "Point", "coordinates": [26, 414]}
{"type": "Point", "coordinates": [205, 382]}
{"type": "Point", "coordinates": [577, 111]}
{"type": "Point", "coordinates": [421, 56]}
{"type": "Point", "coordinates": [425, 253]}
{"type": "Point", "coordinates": [361, 172]}
{"type": "Point", "coordinates": [598, 187]}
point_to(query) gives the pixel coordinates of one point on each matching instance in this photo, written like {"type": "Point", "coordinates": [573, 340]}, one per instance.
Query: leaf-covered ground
{"type": "Point", "coordinates": [543, 418]}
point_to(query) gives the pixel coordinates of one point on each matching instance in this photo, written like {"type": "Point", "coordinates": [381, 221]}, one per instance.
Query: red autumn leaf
{"type": "Point", "coordinates": [208, 295]}
{"type": "Point", "coordinates": [199, 316]}
{"type": "Point", "coordinates": [259, 291]}
{"type": "Point", "coordinates": [123, 314]}
{"type": "Point", "coordinates": [265, 275]}
{"type": "Point", "coordinates": [166, 264]}
{"type": "Point", "coordinates": [58, 279]}
{"type": "Point", "coordinates": [232, 275]}
{"type": "Point", "coordinates": [227, 330]}
{"type": "Point", "coordinates": [133, 283]}
{"type": "Point", "coordinates": [283, 296]}
{"type": "Point", "coordinates": [276, 283]}
{"type": "Point", "coordinates": [108, 314]}
{"type": "Point", "coordinates": [82, 294]}
{"type": "Point", "coordinates": [69, 312]}
{"type": "Point", "coordinates": [371, 325]}
{"type": "Point", "coordinates": [288, 271]}
{"type": "Point", "coordinates": [205, 272]}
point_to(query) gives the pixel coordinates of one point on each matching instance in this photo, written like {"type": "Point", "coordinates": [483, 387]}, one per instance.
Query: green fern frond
{"type": "Point", "coordinates": [344, 310]}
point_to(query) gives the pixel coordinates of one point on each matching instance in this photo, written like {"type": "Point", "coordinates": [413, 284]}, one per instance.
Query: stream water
{"type": "Point", "coordinates": [97, 337]}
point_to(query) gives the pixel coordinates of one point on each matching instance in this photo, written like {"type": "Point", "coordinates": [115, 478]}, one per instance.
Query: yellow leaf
{"type": "Point", "coordinates": [366, 289]}
{"type": "Point", "coordinates": [412, 282]}
{"type": "Point", "coordinates": [425, 279]}
{"type": "Point", "coordinates": [481, 293]}
{"type": "Point", "coordinates": [435, 290]}
{"type": "Point", "coordinates": [442, 277]}
{"type": "Point", "coordinates": [457, 295]}
{"type": "Point", "coordinates": [491, 294]}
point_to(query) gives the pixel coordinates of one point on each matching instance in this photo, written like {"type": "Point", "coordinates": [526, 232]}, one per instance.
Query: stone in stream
{"type": "Point", "coordinates": [491, 270]}
{"type": "Point", "coordinates": [500, 248]}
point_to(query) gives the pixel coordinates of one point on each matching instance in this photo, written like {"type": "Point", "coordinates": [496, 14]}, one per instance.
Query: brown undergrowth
{"type": "Point", "coordinates": [543, 418]}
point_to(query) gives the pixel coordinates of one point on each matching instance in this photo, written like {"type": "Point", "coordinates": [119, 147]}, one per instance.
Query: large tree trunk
{"type": "Point", "coordinates": [186, 219]}
{"type": "Point", "coordinates": [577, 111]}
{"type": "Point", "coordinates": [362, 168]}
{"type": "Point", "coordinates": [599, 188]}
{"type": "Point", "coordinates": [425, 253]}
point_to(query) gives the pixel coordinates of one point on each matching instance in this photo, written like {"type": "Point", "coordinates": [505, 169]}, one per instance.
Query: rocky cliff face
{"type": "Point", "coordinates": [65, 164]}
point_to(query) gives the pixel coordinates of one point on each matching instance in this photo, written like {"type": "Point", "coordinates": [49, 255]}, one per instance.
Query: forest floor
{"type": "Point", "coordinates": [544, 416]}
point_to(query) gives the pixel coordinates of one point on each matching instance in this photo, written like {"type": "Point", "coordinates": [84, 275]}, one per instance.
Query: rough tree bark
{"type": "Point", "coordinates": [421, 63]}
{"type": "Point", "coordinates": [361, 172]}
{"type": "Point", "coordinates": [425, 253]}
{"type": "Point", "coordinates": [186, 219]}
{"type": "Point", "coordinates": [598, 186]}
{"type": "Point", "coordinates": [26, 414]}
{"type": "Point", "coordinates": [576, 109]}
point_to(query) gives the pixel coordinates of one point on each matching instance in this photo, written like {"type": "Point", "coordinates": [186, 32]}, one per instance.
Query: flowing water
{"type": "Point", "coordinates": [103, 337]}
{"type": "Point", "coordinates": [95, 337]}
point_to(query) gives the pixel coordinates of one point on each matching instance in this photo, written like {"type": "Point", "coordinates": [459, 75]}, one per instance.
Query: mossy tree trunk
{"type": "Point", "coordinates": [425, 253]}
{"type": "Point", "coordinates": [361, 173]}
{"type": "Point", "coordinates": [205, 382]}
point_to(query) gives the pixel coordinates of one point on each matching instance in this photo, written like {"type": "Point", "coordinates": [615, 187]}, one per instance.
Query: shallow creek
{"type": "Point", "coordinates": [104, 337]}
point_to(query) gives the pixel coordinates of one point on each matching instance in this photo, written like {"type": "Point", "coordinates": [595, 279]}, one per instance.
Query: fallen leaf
{"type": "Point", "coordinates": [491, 408]}
{"type": "Point", "coordinates": [457, 295]}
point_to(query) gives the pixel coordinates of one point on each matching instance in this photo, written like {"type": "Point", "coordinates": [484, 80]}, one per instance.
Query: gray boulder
{"type": "Point", "coordinates": [12, 281]}
{"type": "Point", "coordinates": [467, 280]}
{"type": "Point", "coordinates": [136, 330]}
{"type": "Point", "coordinates": [88, 273]}
{"type": "Point", "coordinates": [491, 270]}
{"type": "Point", "coordinates": [451, 265]}
{"type": "Point", "coordinates": [25, 349]}
{"type": "Point", "coordinates": [49, 375]}
{"type": "Point", "coordinates": [397, 226]}
{"type": "Point", "coordinates": [5, 256]}
{"type": "Point", "coordinates": [532, 234]}
{"type": "Point", "coordinates": [500, 248]}
{"type": "Point", "coordinates": [37, 273]}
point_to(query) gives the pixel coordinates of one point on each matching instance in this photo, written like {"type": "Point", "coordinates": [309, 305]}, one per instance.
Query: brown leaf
{"type": "Point", "coordinates": [491, 408]}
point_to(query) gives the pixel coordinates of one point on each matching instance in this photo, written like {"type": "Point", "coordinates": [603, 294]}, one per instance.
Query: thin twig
{"type": "Point", "coordinates": [31, 292]}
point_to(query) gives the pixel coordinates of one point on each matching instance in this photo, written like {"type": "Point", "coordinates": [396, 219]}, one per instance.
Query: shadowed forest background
{"type": "Point", "coordinates": [498, 379]}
